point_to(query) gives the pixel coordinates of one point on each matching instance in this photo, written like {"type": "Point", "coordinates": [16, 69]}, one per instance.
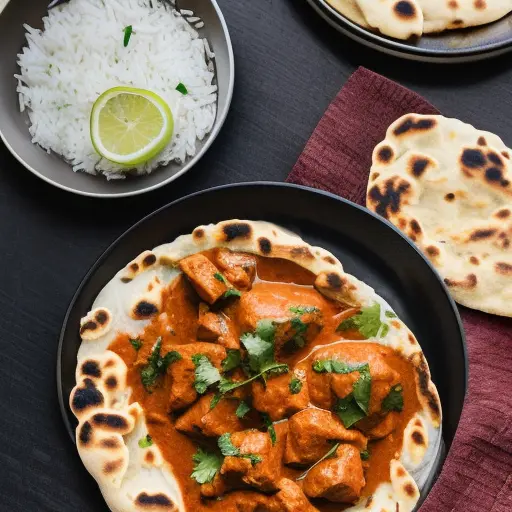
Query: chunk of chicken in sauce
{"type": "Point", "coordinates": [216, 327]}
{"type": "Point", "coordinates": [338, 479]}
{"type": "Point", "coordinates": [311, 433]}
{"type": "Point", "coordinates": [293, 330]}
{"type": "Point", "coordinates": [182, 391]}
{"type": "Point", "coordinates": [326, 388]}
{"type": "Point", "coordinates": [238, 267]}
{"type": "Point", "coordinates": [263, 475]}
{"type": "Point", "coordinates": [201, 419]}
{"type": "Point", "coordinates": [204, 276]}
{"type": "Point", "coordinates": [276, 398]}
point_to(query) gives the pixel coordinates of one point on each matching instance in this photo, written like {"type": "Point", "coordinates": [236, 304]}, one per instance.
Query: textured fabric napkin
{"type": "Point", "coordinates": [477, 475]}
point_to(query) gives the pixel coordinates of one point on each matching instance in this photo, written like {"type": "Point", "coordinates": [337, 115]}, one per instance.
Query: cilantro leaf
{"type": "Point", "coordinates": [219, 277]}
{"type": "Point", "coordinates": [227, 385]}
{"type": "Point", "coordinates": [127, 34]}
{"type": "Point", "coordinates": [295, 386]}
{"type": "Point", "coordinates": [215, 400]}
{"type": "Point", "coordinates": [335, 366]}
{"type": "Point", "coordinates": [348, 410]}
{"type": "Point", "coordinates": [362, 388]}
{"type": "Point", "coordinates": [390, 314]}
{"type": "Point", "coordinates": [232, 292]}
{"type": "Point", "coordinates": [157, 365]}
{"type": "Point", "coordinates": [242, 409]}
{"type": "Point", "coordinates": [302, 310]}
{"type": "Point", "coordinates": [367, 321]}
{"type": "Point", "coordinates": [266, 330]}
{"type": "Point", "coordinates": [328, 455]}
{"type": "Point", "coordinates": [136, 343]}
{"type": "Point", "coordinates": [206, 466]}
{"type": "Point", "coordinates": [233, 360]}
{"type": "Point", "coordinates": [270, 428]}
{"type": "Point", "coordinates": [394, 401]}
{"type": "Point", "coordinates": [145, 442]}
{"type": "Point", "coordinates": [228, 449]}
{"type": "Point", "coordinates": [365, 455]}
{"type": "Point", "coordinates": [206, 374]}
{"type": "Point", "coordinates": [181, 88]}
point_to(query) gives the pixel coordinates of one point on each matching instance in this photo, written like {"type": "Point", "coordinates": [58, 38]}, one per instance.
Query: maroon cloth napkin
{"type": "Point", "coordinates": [477, 475]}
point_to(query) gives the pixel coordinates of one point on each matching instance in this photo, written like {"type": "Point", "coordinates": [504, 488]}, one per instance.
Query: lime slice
{"type": "Point", "coordinates": [130, 126]}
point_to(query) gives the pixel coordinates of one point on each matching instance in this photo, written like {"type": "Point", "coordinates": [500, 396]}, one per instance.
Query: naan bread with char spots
{"type": "Point", "coordinates": [403, 19]}
{"type": "Point", "coordinates": [448, 186]}
{"type": "Point", "coordinates": [135, 475]}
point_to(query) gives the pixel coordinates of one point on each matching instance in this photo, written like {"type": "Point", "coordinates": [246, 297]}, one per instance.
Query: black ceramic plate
{"type": "Point", "coordinates": [369, 248]}
{"type": "Point", "coordinates": [449, 47]}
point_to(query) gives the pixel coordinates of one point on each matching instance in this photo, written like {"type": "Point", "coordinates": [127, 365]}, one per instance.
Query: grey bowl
{"type": "Point", "coordinates": [53, 169]}
{"type": "Point", "coordinates": [466, 45]}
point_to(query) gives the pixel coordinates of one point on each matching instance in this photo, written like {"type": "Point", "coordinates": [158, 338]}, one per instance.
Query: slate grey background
{"type": "Point", "coordinates": [289, 65]}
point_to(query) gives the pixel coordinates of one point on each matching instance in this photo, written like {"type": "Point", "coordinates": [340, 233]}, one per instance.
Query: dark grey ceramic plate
{"type": "Point", "coordinates": [370, 248]}
{"type": "Point", "coordinates": [448, 47]}
{"type": "Point", "coordinates": [50, 167]}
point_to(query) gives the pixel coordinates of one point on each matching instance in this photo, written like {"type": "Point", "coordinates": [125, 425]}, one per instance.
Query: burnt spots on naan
{"type": "Point", "coordinates": [405, 10]}
{"type": "Point", "coordinates": [389, 196]}
{"type": "Point", "coordinates": [111, 382]}
{"type": "Point", "coordinates": [409, 490]}
{"type": "Point", "coordinates": [504, 269]}
{"type": "Point", "coordinates": [479, 235]}
{"type": "Point", "coordinates": [149, 260]}
{"type": "Point", "coordinates": [474, 260]}
{"type": "Point", "coordinates": [495, 159]}
{"type": "Point", "coordinates": [503, 240]}
{"type": "Point", "coordinates": [506, 154]}
{"type": "Point", "coordinates": [449, 197]}
{"type": "Point", "coordinates": [503, 213]}
{"type": "Point", "coordinates": [113, 466]}
{"type": "Point", "coordinates": [85, 396]}
{"type": "Point", "coordinates": [236, 231]}
{"type": "Point", "coordinates": [417, 165]}
{"type": "Point", "coordinates": [157, 501]}
{"type": "Point", "coordinates": [144, 309]}
{"type": "Point", "coordinates": [329, 259]}
{"type": "Point", "coordinates": [265, 245]}
{"type": "Point", "coordinates": [198, 234]}
{"type": "Point", "coordinates": [301, 253]}
{"type": "Point", "coordinates": [473, 159]}
{"type": "Point", "coordinates": [452, 4]}
{"type": "Point", "coordinates": [110, 443]}
{"type": "Point", "coordinates": [91, 368]}
{"type": "Point", "coordinates": [418, 438]}
{"type": "Point", "coordinates": [468, 283]}
{"type": "Point", "coordinates": [480, 5]}
{"type": "Point", "coordinates": [141, 263]}
{"type": "Point", "coordinates": [95, 324]}
{"type": "Point", "coordinates": [374, 176]}
{"type": "Point", "coordinates": [85, 434]}
{"type": "Point", "coordinates": [410, 125]}
{"type": "Point", "coordinates": [433, 253]}
{"type": "Point", "coordinates": [481, 141]}
{"type": "Point", "coordinates": [112, 422]}
{"type": "Point", "coordinates": [487, 166]}
{"type": "Point", "coordinates": [385, 155]}
{"type": "Point", "coordinates": [420, 363]}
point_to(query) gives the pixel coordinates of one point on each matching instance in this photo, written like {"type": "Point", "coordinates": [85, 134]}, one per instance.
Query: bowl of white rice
{"type": "Point", "coordinates": [56, 62]}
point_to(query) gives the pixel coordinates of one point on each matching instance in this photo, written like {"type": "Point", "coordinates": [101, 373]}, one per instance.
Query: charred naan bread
{"type": "Point", "coordinates": [135, 477]}
{"type": "Point", "coordinates": [406, 18]}
{"type": "Point", "coordinates": [448, 186]}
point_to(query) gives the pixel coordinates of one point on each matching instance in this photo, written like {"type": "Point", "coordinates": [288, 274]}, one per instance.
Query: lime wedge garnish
{"type": "Point", "coordinates": [130, 126]}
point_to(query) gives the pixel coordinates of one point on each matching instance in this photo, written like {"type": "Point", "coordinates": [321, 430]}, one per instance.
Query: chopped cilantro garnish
{"type": "Point", "coordinates": [232, 292]}
{"type": "Point", "coordinates": [295, 386]}
{"type": "Point", "coordinates": [136, 343]}
{"type": "Point", "coordinates": [367, 322]}
{"type": "Point", "coordinates": [145, 442]}
{"type": "Point", "coordinates": [206, 374]}
{"type": "Point", "coordinates": [328, 455]}
{"type": "Point", "coordinates": [390, 314]}
{"type": "Point", "coordinates": [348, 410]}
{"type": "Point", "coordinates": [300, 329]}
{"type": "Point", "coordinates": [233, 360]}
{"type": "Point", "coordinates": [127, 34]}
{"type": "Point", "coordinates": [242, 409]}
{"type": "Point", "coordinates": [215, 400]}
{"type": "Point", "coordinates": [270, 428]}
{"type": "Point", "coordinates": [181, 88]}
{"type": "Point", "coordinates": [157, 365]}
{"type": "Point", "coordinates": [365, 455]}
{"type": "Point", "coordinates": [228, 449]}
{"type": "Point", "coordinates": [394, 401]}
{"type": "Point", "coordinates": [206, 466]}
{"type": "Point", "coordinates": [302, 310]}
{"type": "Point", "coordinates": [219, 277]}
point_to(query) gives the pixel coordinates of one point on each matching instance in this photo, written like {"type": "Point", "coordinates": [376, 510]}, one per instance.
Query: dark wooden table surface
{"type": "Point", "coordinates": [289, 65]}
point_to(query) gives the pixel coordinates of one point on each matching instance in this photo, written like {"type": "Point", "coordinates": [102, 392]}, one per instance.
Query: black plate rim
{"type": "Point", "coordinates": [399, 49]}
{"type": "Point", "coordinates": [63, 402]}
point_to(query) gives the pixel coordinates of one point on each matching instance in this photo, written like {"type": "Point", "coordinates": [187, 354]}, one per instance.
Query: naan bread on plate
{"type": "Point", "coordinates": [448, 186]}
{"type": "Point", "coordinates": [403, 19]}
{"type": "Point", "coordinates": [210, 362]}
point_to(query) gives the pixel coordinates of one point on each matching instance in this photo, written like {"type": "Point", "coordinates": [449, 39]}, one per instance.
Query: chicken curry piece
{"type": "Point", "coordinates": [260, 392]}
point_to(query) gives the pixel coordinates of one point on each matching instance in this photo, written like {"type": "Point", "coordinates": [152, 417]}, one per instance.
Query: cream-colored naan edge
{"type": "Point", "coordinates": [121, 295]}
{"type": "Point", "coordinates": [493, 293]}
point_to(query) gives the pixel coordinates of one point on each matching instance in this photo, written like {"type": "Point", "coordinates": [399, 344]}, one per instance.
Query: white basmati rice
{"type": "Point", "coordinates": [80, 54]}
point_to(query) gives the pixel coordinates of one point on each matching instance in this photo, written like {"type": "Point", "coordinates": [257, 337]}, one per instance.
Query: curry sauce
{"type": "Point", "coordinates": [278, 285]}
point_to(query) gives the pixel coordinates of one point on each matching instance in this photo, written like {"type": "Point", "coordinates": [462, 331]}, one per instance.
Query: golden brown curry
{"type": "Point", "coordinates": [200, 317]}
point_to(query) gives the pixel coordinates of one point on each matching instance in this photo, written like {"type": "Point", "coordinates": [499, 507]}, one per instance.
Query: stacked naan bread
{"type": "Point", "coordinates": [407, 18]}
{"type": "Point", "coordinates": [448, 186]}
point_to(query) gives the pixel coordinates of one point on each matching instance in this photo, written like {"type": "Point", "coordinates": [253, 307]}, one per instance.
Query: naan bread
{"type": "Point", "coordinates": [406, 18]}
{"type": "Point", "coordinates": [133, 479]}
{"type": "Point", "coordinates": [448, 186]}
